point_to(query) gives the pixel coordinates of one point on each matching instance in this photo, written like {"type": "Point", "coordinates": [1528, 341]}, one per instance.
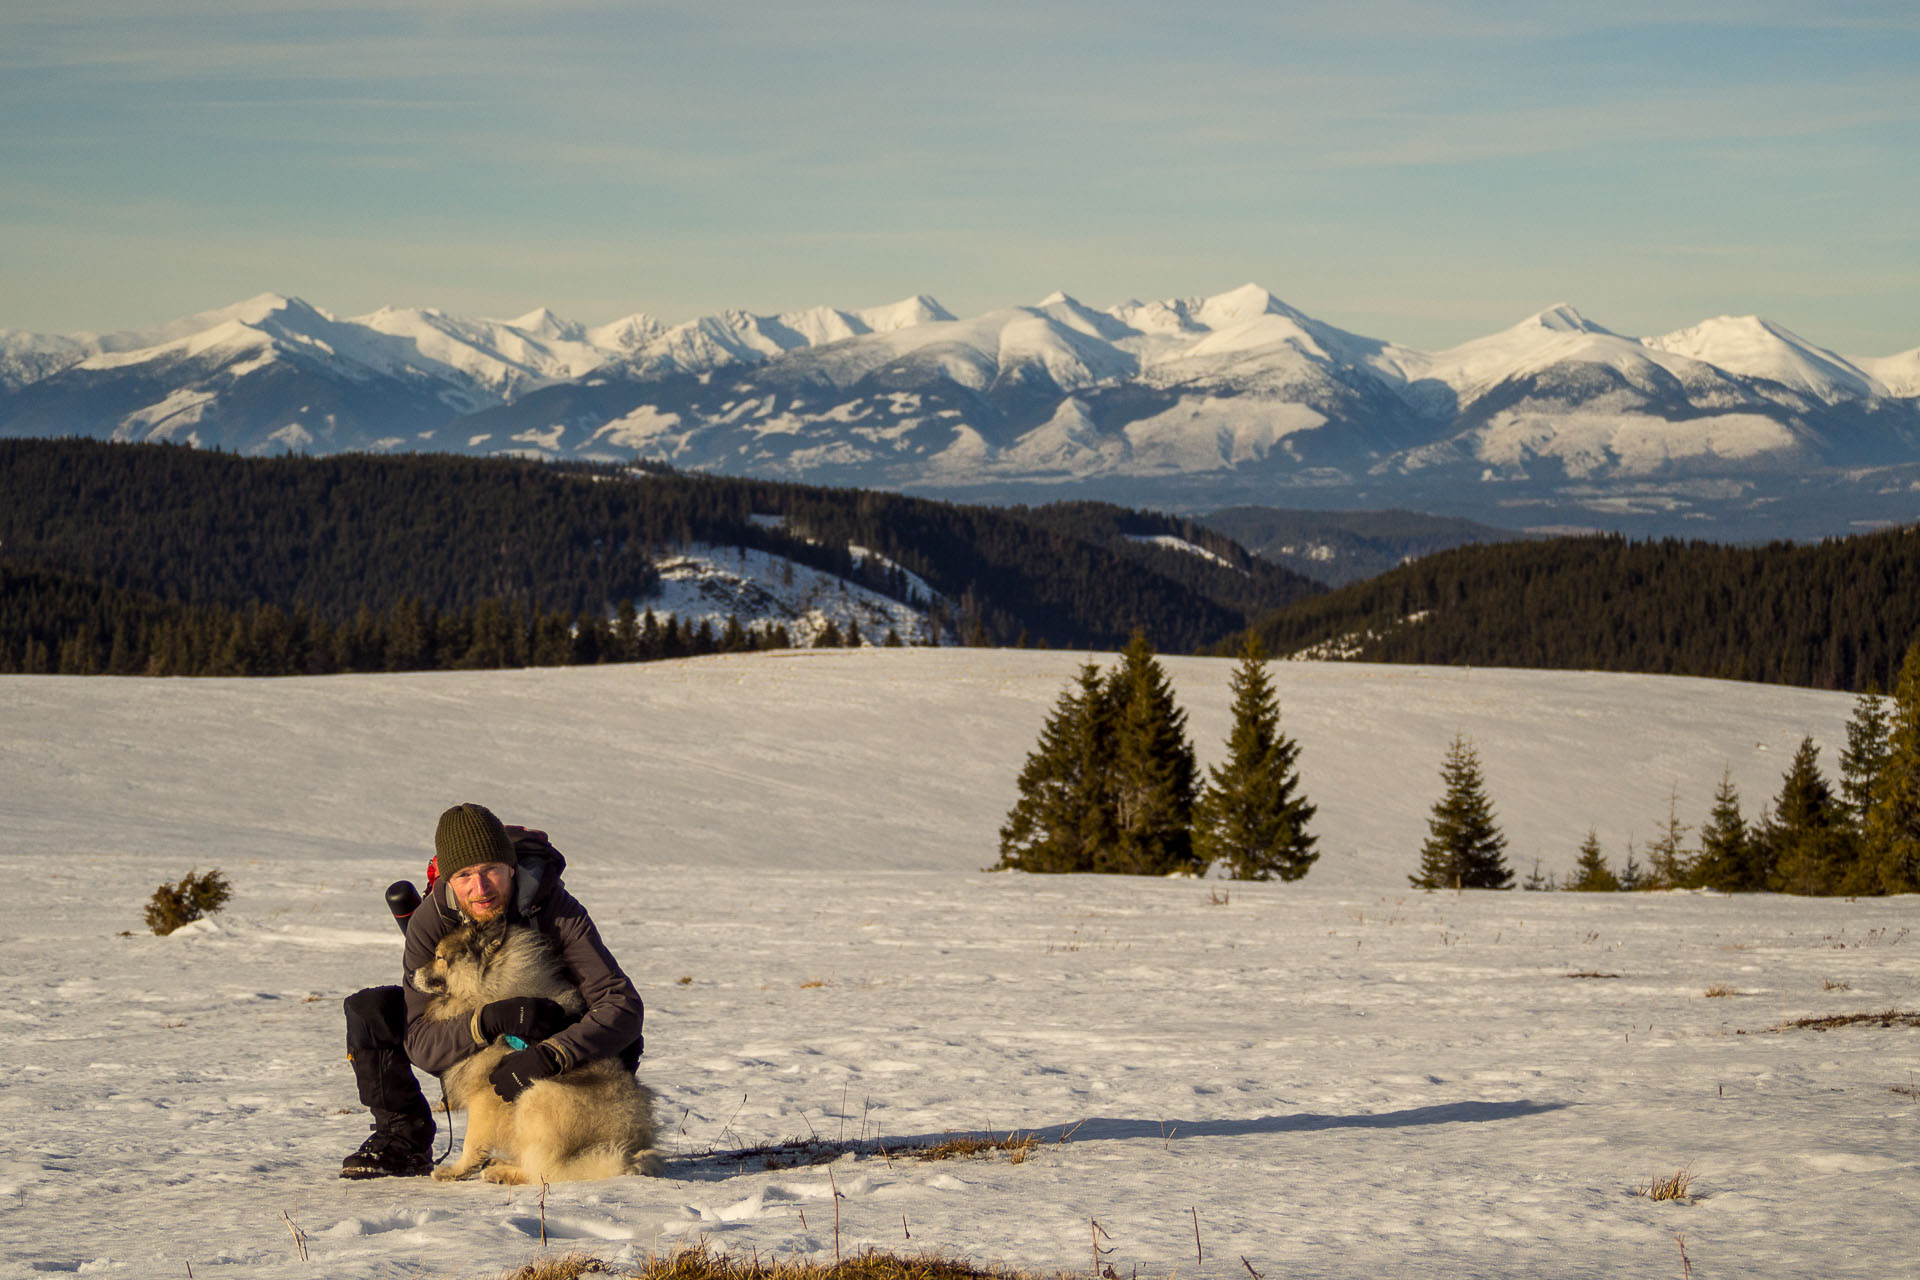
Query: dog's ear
{"type": "Point", "coordinates": [470, 947]}
{"type": "Point", "coordinates": [484, 944]}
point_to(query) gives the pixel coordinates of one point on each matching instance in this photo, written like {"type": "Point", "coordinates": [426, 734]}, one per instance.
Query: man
{"type": "Point", "coordinates": [489, 875]}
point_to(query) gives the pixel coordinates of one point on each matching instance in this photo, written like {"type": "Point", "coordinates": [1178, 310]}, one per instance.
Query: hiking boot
{"type": "Point", "coordinates": [387, 1155]}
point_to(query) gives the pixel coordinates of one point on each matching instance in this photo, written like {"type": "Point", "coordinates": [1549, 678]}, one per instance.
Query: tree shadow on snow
{"type": "Point", "coordinates": [1107, 1129]}
{"type": "Point", "coordinates": [718, 1165]}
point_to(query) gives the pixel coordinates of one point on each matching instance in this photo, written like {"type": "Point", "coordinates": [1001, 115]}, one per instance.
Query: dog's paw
{"type": "Point", "coordinates": [508, 1174]}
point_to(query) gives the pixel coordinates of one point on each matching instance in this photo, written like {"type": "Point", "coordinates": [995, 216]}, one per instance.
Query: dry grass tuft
{"type": "Point", "coordinates": [1720, 991]}
{"type": "Point", "coordinates": [702, 1262]}
{"type": "Point", "coordinates": [1017, 1146]}
{"type": "Point", "coordinates": [1592, 973]}
{"type": "Point", "coordinates": [569, 1266]}
{"type": "Point", "coordinates": [811, 983]}
{"type": "Point", "coordinates": [1678, 1187]}
{"type": "Point", "coordinates": [1831, 985]}
{"type": "Point", "coordinates": [1890, 1018]}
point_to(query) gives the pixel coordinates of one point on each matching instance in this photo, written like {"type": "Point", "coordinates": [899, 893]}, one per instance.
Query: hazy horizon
{"type": "Point", "coordinates": [1426, 173]}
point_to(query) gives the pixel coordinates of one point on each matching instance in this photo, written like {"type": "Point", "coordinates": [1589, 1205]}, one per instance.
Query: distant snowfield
{"type": "Point", "coordinates": [1340, 1077]}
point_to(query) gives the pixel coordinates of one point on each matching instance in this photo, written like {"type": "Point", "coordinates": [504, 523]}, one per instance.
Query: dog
{"type": "Point", "coordinates": [593, 1121]}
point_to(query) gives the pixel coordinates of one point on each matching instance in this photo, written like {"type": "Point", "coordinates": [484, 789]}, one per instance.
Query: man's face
{"type": "Point", "coordinates": [481, 890]}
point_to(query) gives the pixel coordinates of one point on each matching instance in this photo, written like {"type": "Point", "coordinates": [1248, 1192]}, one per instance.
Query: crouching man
{"type": "Point", "coordinates": [488, 875]}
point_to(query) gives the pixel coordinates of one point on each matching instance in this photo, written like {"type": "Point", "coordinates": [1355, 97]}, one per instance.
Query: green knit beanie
{"type": "Point", "coordinates": [468, 835]}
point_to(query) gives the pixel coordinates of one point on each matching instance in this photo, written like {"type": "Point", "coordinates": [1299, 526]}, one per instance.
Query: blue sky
{"type": "Point", "coordinates": [1422, 172]}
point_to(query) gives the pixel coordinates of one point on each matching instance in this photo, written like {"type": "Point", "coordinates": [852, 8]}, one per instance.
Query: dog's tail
{"type": "Point", "coordinates": [601, 1161]}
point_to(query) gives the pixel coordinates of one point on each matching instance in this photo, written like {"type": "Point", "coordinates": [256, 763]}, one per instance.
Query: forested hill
{"type": "Point", "coordinates": [1339, 547]}
{"type": "Point", "coordinates": [1834, 615]}
{"type": "Point", "coordinates": [157, 527]}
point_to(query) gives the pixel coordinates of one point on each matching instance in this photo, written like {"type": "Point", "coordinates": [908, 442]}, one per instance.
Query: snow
{"type": "Point", "coordinates": [1757, 348]}
{"type": "Point", "coordinates": [703, 583]}
{"type": "Point", "coordinates": [1206, 433]}
{"type": "Point", "coordinates": [166, 417]}
{"type": "Point", "coordinates": [643, 430]}
{"type": "Point", "coordinates": [1626, 443]}
{"type": "Point", "coordinates": [1339, 1077]}
{"type": "Point", "coordinates": [1899, 374]}
{"type": "Point", "coordinates": [1558, 335]}
{"type": "Point", "coordinates": [1172, 543]}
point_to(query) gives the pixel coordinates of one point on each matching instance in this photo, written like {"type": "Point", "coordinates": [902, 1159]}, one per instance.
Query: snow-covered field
{"type": "Point", "coordinates": [1340, 1077]}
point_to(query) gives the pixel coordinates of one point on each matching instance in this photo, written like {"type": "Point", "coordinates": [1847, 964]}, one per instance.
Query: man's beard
{"type": "Point", "coordinates": [497, 915]}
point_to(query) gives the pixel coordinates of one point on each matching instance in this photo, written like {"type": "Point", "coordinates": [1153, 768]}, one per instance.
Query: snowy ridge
{"type": "Point", "coordinates": [1233, 395]}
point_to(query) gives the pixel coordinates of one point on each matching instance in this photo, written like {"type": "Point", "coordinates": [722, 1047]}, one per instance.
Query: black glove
{"type": "Point", "coordinates": [518, 1070]}
{"type": "Point", "coordinates": [529, 1017]}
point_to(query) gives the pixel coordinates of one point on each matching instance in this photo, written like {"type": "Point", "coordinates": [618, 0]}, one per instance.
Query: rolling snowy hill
{"type": "Point", "coordinates": [1181, 404]}
{"type": "Point", "coordinates": [1333, 1078]}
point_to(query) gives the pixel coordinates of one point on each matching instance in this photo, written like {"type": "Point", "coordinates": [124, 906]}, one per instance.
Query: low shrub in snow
{"type": "Point", "coordinates": [173, 905]}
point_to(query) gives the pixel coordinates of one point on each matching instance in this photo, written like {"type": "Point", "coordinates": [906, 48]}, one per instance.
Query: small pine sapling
{"type": "Point", "coordinates": [1591, 872]}
{"type": "Point", "coordinates": [1672, 865]}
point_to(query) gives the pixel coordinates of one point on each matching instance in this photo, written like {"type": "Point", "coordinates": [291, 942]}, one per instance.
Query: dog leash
{"type": "Point", "coordinates": [446, 1108]}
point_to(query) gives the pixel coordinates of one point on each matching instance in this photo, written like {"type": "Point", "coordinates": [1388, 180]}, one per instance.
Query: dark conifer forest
{"type": "Point", "coordinates": [1833, 615]}
{"type": "Point", "coordinates": [168, 560]}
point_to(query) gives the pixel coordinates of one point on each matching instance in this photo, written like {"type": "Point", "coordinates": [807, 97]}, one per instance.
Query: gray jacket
{"type": "Point", "coordinates": [611, 1025]}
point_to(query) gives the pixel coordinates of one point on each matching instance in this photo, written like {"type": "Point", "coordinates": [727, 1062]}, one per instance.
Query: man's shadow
{"type": "Point", "coordinates": [718, 1165]}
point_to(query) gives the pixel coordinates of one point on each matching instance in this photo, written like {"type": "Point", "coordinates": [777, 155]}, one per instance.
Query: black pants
{"type": "Point", "coordinates": [376, 1045]}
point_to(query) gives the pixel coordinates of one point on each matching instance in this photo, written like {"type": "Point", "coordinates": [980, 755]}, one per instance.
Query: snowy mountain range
{"type": "Point", "coordinates": [1736, 426]}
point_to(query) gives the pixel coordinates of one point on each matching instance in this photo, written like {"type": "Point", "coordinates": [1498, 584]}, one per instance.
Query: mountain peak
{"type": "Point", "coordinates": [1756, 347]}
{"type": "Point", "coordinates": [905, 314]}
{"type": "Point", "coordinates": [1562, 317]}
{"type": "Point", "coordinates": [541, 322]}
{"type": "Point", "coordinates": [1236, 305]}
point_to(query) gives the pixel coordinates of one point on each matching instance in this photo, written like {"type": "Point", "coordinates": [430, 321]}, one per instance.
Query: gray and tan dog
{"type": "Point", "coordinates": [594, 1121]}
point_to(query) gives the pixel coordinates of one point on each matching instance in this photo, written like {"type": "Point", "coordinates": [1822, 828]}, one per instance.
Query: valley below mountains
{"type": "Point", "coordinates": [1734, 428]}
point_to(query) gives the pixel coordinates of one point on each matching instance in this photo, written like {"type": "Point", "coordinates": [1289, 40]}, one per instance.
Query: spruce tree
{"type": "Point", "coordinates": [1804, 836]}
{"type": "Point", "coordinates": [1865, 755]}
{"type": "Point", "coordinates": [1251, 818]}
{"type": "Point", "coordinates": [1153, 773]}
{"type": "Point", "coordinates": [1464, 848]}
{"type": "Point", "coordinates": [1670, 866]}
{"type": "Point", "coordinates": [1633, 876]}
{"type": "Point", "coordinates": [626, 633]}
{"type": "Point", "coordinates": [1726, 861]}
{"type": "Point", "coordinates": [1064, 814]}
{"type": "Point", "coordinates": [1592, 874]}
{"type": "Point", "coordinates": [1891, 853]}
